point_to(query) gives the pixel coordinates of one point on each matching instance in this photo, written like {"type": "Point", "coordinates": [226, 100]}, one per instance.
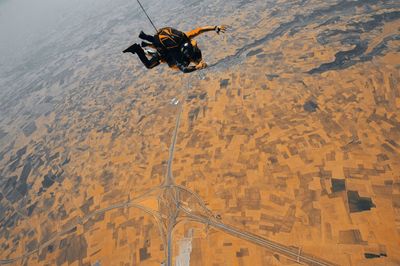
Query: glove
{"type": "Point", "coordinates": [201, 65]}
{"type": "Point", "coordinates": [221, 28]}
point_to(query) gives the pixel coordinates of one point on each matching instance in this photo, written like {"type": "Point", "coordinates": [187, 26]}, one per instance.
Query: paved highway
{"type": "Point", "coordinates": [271, 245]}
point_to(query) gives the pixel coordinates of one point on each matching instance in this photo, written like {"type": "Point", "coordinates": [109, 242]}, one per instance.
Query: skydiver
{"type": "Point", "coordinates": [174, 47]}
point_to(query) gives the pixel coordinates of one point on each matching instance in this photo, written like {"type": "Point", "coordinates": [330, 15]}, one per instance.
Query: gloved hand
{"type": "Point", "coordinates": [201, 65]}
{"type": "Point", "coordinates": [221, 28]}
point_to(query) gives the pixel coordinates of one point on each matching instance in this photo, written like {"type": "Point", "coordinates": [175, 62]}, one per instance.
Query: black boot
{"type": "Point", "coordinates": [142, 35]}
{"type": "Point", "coordinates": [146, 37]}
{"type": "Point", "coordinates": [132, 49]}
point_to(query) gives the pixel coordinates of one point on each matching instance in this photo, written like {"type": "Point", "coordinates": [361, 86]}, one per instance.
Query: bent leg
{"type": "Point", "coordinates": [146, 44]}
{"type": "Point", "coordinates": [153, 62]}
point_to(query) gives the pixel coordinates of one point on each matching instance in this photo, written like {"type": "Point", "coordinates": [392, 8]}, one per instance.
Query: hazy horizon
{"type": "Point", "coordinates": [26, 25]}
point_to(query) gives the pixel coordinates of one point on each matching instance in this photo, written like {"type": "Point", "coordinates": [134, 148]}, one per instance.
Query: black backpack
{"type": "Point", "coordinates": [170, 38]}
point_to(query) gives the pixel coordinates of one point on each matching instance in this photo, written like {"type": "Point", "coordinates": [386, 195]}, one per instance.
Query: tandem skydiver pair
{"type": "Point", "coordinates": [176, 48]}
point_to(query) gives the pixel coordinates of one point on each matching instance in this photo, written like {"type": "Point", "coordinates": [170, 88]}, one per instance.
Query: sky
{"type": "Point", "coordinates": [25, 24]}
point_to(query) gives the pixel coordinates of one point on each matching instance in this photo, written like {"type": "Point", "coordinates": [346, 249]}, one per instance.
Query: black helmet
{"type": "Point", "coordinates": [191, 52]}
{"type": "Point", "coordinates": [197, 56]}
{"type": "Point", "coordinates": [187, 50]}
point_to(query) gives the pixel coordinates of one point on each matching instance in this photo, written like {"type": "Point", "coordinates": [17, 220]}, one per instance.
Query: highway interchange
{"type": "Point", "coordinates": [172, 201]}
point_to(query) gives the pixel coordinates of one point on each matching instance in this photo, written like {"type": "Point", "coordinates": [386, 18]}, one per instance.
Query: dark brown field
{"type": "Point", "coordinates": [292, 134]}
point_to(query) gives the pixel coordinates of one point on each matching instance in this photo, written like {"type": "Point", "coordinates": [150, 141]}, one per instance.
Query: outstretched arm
{"type": "Point", "coordinates": [198, 31]}
{"type": "Point", "coordinates": [188, 69]}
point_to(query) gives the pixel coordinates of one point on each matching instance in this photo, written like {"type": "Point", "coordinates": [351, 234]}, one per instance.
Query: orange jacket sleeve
{"type": "Point", "coordinates": [198, 31]}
